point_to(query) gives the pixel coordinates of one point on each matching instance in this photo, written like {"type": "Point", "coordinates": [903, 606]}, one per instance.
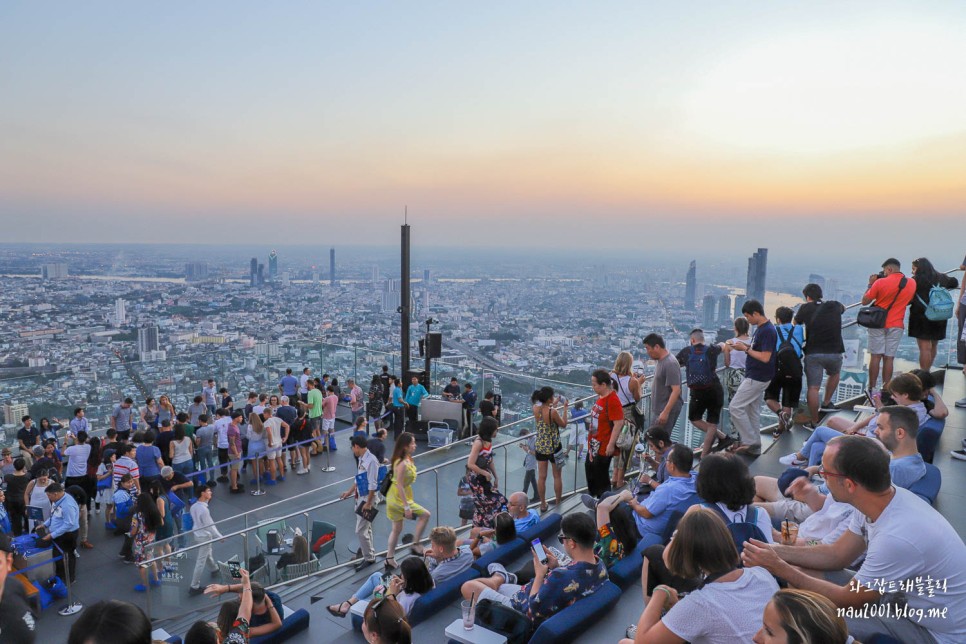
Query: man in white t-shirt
{"type": "Point", "coordinates": [303, 384]}
{"type": "Point", "coordinates": [222, 423]}
{"type": "Point", "coordinates": [912, 583]}
{"type": "Point", "coordinates": [277, 435]}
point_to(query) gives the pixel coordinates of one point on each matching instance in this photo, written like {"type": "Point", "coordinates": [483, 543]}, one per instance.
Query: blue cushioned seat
{"type": "Point", "coordinates": [628, 570]}
{"type": "Point", "coordinates": [574, 620]}
{"type": "Point", "coordinates": [928, 486]}
{"type": "Point", "coordinates": [928, 438]}
{"type": "Point", "coordinates": [440, 597]}
{"type": "Point", "coordinates": [294, 623]}
{"type": "Point", "coordinates": [504, 554]}
{"type": "Point", "coordinates": [545, 527]}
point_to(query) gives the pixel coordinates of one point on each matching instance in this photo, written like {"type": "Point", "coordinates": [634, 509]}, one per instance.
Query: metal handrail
{"type": "Point", "coordinates": [850, 306]}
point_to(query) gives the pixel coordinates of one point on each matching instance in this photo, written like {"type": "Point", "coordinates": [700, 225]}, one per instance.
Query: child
{"type": "Point", "coordinates": [530, 465]}
{"type": "Point", "coordinates": [105, 487]}
{"type": "Point", "coordinates": [465, 494]}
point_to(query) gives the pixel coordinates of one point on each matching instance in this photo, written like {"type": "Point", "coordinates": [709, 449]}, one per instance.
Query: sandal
{"type": "Point", "coordinates": [391, 566]}
{"type": "Point", "coordinates": [543, 508]}
{"type": "Point", "coordinates": [336, 610]}
{"type": "Point", "coordinates": [419, 551]}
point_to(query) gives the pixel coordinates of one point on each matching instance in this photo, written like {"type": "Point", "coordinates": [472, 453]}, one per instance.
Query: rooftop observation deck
{"type": "Point", "coordinates": [303, 499]}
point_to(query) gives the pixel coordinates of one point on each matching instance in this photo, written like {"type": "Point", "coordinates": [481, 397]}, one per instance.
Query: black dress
{"type": "Point", "coordinates": [919, 325]}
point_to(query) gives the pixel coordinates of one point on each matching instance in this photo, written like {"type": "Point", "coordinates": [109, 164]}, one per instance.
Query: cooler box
{"type": "Point", "coordinates": [33, 556]}
{"type": "Point", "coordinates": [439, 434]}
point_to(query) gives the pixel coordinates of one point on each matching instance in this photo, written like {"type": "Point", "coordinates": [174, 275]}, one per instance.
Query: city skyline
{"type": "Point", "coordinates": [533, 124]}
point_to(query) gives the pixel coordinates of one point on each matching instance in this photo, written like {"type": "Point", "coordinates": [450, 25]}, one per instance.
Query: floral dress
{"type": "Point", "coordinates": [487, 501]}
{"type": "Point", "coordinates": [142, 538]}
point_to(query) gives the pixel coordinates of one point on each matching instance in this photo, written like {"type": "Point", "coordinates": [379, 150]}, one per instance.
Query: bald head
{"type": "Point", "coordinates": [517, 505]}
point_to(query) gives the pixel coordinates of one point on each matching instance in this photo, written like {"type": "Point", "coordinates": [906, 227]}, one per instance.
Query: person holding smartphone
{"type": "Point", "coordinates": [231, 630]}
{"type": "Point", "coordinates": [267, 608]}
{"type": "Point", "coordinates": [554, 587]}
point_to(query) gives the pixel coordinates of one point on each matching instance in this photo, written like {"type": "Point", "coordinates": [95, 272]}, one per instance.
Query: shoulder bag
{"type": "Point", "coordinates": [874, 316]}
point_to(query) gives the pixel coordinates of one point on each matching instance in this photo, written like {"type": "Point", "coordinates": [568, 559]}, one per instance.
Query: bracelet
{"type": "Point", "coordinates": [248, 590]}
{"type": "Point", "coordinates": [666, 592]}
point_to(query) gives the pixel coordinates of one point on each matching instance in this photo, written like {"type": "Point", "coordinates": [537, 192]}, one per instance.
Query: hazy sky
{"type": "Point", "coordinates": [815, 125]}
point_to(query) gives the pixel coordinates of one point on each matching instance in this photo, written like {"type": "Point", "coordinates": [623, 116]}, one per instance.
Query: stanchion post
{"type": "Point", "coordinates": [71, 608]}
{"type": "Point", "coordinates": [258, 491]}
{"type": "Point", "coordinates": [327, 444]}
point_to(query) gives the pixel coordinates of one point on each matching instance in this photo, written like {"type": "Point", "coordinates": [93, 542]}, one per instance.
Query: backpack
{"type": "Point", "coordinates": [741, 531]}
{"type": "Point", "coordinates": [512, 624]}
{"type": "Point", "coordinates": [700, 372]}
{"type": "Point", "coordinates": [789, 364]}
{"type": "Point", "coordinates": [940, 304]}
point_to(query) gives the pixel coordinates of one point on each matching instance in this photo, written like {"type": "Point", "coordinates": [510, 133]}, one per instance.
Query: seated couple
{"type": "Point", "coordinates": [554, 586]}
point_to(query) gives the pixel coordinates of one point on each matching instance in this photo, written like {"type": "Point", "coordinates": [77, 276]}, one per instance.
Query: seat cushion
{"type": "Point", "coordinates": [574, 620]}
{"type": "Point", "coordinates": [545, 527]}
{"type": "Point", "coordinates": [440, 597]}
{"type": "Point", "coordinates": [503, 554]}
{"type": "Point", "coordinates": [628, 570]}
{"type": "Point", "coordinates": [294, 623]}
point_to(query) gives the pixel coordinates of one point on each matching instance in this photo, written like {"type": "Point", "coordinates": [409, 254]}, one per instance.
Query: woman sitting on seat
{"type": "Point", "coordinates": [483, 540]}
{"type": "Point", "coordinates": [727, 604]}
{"type": "Point", "coordinates": [300, 553]}
{"type": "Point", "coordinates": [412, 582]}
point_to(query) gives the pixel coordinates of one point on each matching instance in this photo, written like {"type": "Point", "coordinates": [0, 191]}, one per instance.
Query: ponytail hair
{"type": "Point", "coordinates": [388, 621]}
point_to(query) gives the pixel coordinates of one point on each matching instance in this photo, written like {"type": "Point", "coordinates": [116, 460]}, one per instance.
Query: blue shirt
{"type": "Point", "coordinates": [397, 400]}
{"type": "Point", "coordinates": [764, 340]}
{"type": "Point", "coordinates": [906, 470]}
{"type": "Point", "coordinates": [798, 336]}
{"type": "Point", "coordinates": [147, 457]}
{"type": "Point", "coordinates": [80, 425]}
{"type": "Point", "coordinates": [64, 517]}
{"type": "Point", "coordinates": [415, 393]}
{"type": "Point", "coordinates": [290, 385]}
{"type": "Point", "coordinates": [670, 495]}
{"type": "Point", "coordinates": [526, 522]}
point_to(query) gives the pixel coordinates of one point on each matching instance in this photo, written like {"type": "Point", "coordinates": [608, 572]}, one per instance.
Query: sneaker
{"type": "Point", "coordinates": [195, 590]}
{"type": "Point", "coordinates": [828, 408]}
{"type": "Point", "coordinates": [222, 479]}
{"type": "Point", "coordinates": [723, 443]}
{"type": "Point", "coordinates": [140, 588]}
{"type": "Point", "coordinates": [365, 563]}
{"type": "Point", "coordinates": [87, 545]}
{"type": "Point", "coordinates": [281, 478]}
{"type": "Point", "coordinates": [960, 403]}
{"type": "Point", "coordinates": [792, 460]}
{"type": "Point", "coordinates": [300, 472]}
{"type": "Point", "coordinates": [97, 511]}
{"type": "Point", "coordinates": [497, 568]}
{"type": "Point", "coordinates": [959, 454]}
{"type": "Point", "coordinates": [809, 426]}
{"type": "Point", "coordinates": [271, 482]}
{"type": "Point", "coordinates": [786, 419]}
{"type": "Point", "coordinates": [589, 502]}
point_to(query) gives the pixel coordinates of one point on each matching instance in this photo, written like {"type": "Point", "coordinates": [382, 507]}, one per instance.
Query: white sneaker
{"type": "Point", "coordinates": [959, 454]}
{"type": "Point", "coordinates": [960, 403]}
{"type": "Point", "coordinates": [792, 459]}
{"type": "Point", "coordinates": [497, 568]}
{"type": "Point", "coordinates": [301, 472]}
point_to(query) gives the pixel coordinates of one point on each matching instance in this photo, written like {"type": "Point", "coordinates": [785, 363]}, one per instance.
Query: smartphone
{"type": "Point", "coordinates": [541, 553]}
{"type": "Point", "coordinates": [234, 569]}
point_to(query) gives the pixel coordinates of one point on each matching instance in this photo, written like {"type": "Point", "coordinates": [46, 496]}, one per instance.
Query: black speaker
{"type": "Point", "coordinates": [434, 344]}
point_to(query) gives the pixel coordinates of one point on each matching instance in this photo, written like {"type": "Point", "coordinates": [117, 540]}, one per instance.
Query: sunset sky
{"type": "Point", "coordinates": [556, 123]}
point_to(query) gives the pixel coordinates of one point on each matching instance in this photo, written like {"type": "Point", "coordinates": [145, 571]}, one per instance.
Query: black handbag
{"type": "Point", "coordinates": [874, 317]}
{"type": "Point", "coordinates": [386, 484]}
{"type": "Point", "coordinates": [512, 624]}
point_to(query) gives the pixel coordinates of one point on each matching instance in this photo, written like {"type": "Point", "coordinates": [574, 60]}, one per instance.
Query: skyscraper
{"type": "Point", "coordinates": [757, 265]}
{"type": "Point", "coordinates": [709, 303]}
{"type": "Point", "coordinates": [195, 271]}
{"type": "Point", "coordinates": [331, 267]}
{"type": "Point", "coordinates": [273, 265]}
{"type": "Point", "coordinates": [120, 312]}
{"type": "Point", "coordinates": [690, 285]}
{"type": "Point", "coordinates": [253, 275]}
{"type": "Point", "coordinates": [739, 302]}
{"type": "Point", "coordinates": [724, 310]}
{"type": "Point", "coordinates": [148, 339]}
{"type": "Point", "coordinates": [390, 296]}
{"type": "Point", "coordinates": [374, 276]}
{"type": "Point", "coordinates": [54, 271]}
{"type": "Point", "coordinates": [260, 275]}
{"type": "Point", "coordinates": [427, 276]}
{"type": "Point", "coordinates": [817, 279]}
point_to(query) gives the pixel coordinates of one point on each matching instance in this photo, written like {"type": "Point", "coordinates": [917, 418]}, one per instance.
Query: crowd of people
{"type": "Point", "coordinates": [795, 558]}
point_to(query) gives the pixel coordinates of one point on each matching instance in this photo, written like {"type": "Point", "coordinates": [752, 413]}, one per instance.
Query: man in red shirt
{"type": "Point", "coordinates": [607, 418]}
{"type": "Point", "coordinates": [883, 343]}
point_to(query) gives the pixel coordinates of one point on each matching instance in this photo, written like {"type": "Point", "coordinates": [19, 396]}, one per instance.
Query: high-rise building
{"type": "Point", "coordinates": [13, 412]}
{"type": "Point", "coordinates": [54, 271]}
{"type": "Point", "coordinates": [739, 302]}
{"type": "Point", "coordinates": [273, 265]}
{"type": "Point", "coordinates": [427, 276]}
{"type": "Point", "coordinates": [374, 277]}
{"type": "Point", "coordinates": [332, 281]}
{"type": "Point", "coordinates": [690, 286]}
{"type": "Point", "coordinates": [120, 312]}
{"type": "Point", "coordinates": [709, 304]}
{"type": "Point", "coordinates": [148, 339]}
{"type": "Point", "coordinates": [195, 271]}
{"type": "Point", "coordinates": [391, 294]}
{"type": "Point", "coordinates": [724, 310]}
{"type": "Point", "coordinates": [253, 274]}
{"type": "Point", "coordinates": [260, 275]}
{"type": "Point", "coordinates": [757, 267]}
{"type": "Point", "coordinates": [286, 279]}
{"type": "Point", "coordinates": [817, 279]}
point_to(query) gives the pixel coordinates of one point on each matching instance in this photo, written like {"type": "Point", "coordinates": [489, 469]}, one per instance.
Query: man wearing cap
{"type": "Point", "coordinates": [890, 290]}
{"type": "Point", "coordinates": [63, 527]}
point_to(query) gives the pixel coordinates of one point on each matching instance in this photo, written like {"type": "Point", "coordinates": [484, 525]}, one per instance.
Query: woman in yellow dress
{"type": "Point", "coordinates": [399, 500]}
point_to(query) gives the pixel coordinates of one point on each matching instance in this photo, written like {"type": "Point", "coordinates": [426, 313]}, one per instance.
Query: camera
{"type": "Point", "coordinates": [880, 274]}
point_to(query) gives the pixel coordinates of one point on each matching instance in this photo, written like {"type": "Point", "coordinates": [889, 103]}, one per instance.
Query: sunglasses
{"type": "Point", "coordinates": [825, 474]}
{"type": "Point", "coordinates": [562, 536]}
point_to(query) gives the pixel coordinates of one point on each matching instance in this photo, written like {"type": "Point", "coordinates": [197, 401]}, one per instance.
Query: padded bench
{"type": "Point", "coordinates": [293, 622]}
{"type": "Point", "coordinates": [443, 595]}
{"type": "Point", "coordinates": [927, 488]}
{"type": "Point", "coordinates": [546, 527]}
{"type": "Point", "coordinates": [928, 438]}
{"type": "Point", "coordinates": [574, 620]}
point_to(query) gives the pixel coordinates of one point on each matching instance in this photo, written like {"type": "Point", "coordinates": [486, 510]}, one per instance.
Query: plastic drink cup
{"type": "Point", "coordinates": [789, 532]}
{"type": "Point", "coordinates": [469, 614]}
